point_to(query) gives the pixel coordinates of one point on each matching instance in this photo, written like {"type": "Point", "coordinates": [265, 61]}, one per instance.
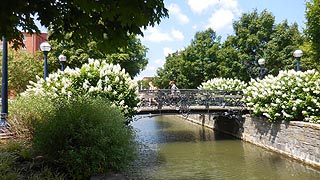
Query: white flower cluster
{"type": "Point", "coordinates": [96, 78]}
{"type": "Point", "coordinates": [225, 84]}
{"type": "Point", "coordinates": [291, 95]}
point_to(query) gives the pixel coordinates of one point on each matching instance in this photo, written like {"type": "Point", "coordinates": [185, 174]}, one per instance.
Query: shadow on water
{"type": "Point", "coordinates": [171, 148]}
{"type": "Point", "coordinates": [223, 136]}
{"type": "Point", "coordinates": [153, 133]}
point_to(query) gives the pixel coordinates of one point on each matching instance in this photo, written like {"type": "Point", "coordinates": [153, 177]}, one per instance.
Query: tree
{"type": "Point", "coordinates": [170, 71]}
{"type": "Point", "coordinates": [252, 33]}
{"type": "Point", "coordinates": [105, 22]}
{"type": "Point", "coordinates": [131, 57]}
{"type": "Point", "coordinates": [278, 51]}
{"type": "Point", "coordinates": [313, 28]}
{"type": "Point", "coordinates": [23, 67]}
{"type": "Point", "coordinates": [257, 36]}
{"type": "Point", "coordinates": [201, 58]}
{"type": "Point", "coordinates": [193, 65]}
{"type": "Point", "coordinates": [230, 65]}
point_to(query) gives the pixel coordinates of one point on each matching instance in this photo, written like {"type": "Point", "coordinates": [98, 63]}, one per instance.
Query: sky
{"type": "Point", "coordinates": [186, 17]}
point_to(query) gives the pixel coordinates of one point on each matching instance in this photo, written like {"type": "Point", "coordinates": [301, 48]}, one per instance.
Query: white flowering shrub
{"type": "Point", "coordinates": [289, 96]}
{"type": "Point", "coordinates": [224, 84]}
{"type": "Point", "coordinates": [92, 79]}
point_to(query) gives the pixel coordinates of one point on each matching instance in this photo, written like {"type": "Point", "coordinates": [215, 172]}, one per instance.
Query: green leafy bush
{"type": "Point", "coordinates": [17, 162]}
{"type": "Point", "coordinates": [84, 136]}
{"type": "Point", "coordinates": [224, 84]}
{"type": "Point", "coordinates": [289, 96]}
{"type": "Point", "coordinates": [22, 68]}
{"type": "Point", "coordinates": [93, 79]}
{"type": "Point", "coordinates": [8, 156]}
{"type": "Point", "coordinates": [25, 110]}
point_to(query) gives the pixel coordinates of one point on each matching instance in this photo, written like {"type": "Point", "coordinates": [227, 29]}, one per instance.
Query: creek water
{"type": "Point", "coordinates": [172, 148]}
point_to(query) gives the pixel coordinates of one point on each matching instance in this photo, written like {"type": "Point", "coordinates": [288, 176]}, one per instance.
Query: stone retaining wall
{"type": "Point", "coordinates": [298, 140]}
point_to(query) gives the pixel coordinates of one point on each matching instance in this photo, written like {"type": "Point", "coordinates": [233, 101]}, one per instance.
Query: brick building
{"type": "Point", "coordinates": [32, 42]}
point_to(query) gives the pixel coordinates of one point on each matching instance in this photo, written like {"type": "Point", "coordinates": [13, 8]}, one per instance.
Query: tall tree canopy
{"type": "Point", "coordinates": [313, 28]}
{"type": "Point", "coordinates": [255, 36]}
{"type": "Point", "coordinates": [252, 33]}
{"type": "Point", "coordinates": [279, 50]}
{"type": "Point", "coordinates": [191, 66]}
{"type": "Point", "coordinates": [105, 22]}
{"type": "Point", "coordinates": [131, 57]}
{"type": "Point", "coordinates": [170, 71]}
{"type": "Point", "coordinates": [201, 58]}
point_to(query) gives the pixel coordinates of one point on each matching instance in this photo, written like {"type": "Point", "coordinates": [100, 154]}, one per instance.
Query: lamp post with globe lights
{"type": "Point", "coordinates": [298, 54]}
{"type": "Point", "coordinates": [261, 62]}
{"type": "Point", "coordinates": [45, 47]}
{"type": "Point", "coordinates": [62, 59]}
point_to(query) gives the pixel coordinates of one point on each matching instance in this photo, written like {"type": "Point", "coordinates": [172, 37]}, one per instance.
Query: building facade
{"type": "Point", "coordinates": [32, 42]}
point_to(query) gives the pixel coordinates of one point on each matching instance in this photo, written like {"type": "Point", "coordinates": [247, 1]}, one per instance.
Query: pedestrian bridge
{"type": "Point", "coordinates": [186, 101]}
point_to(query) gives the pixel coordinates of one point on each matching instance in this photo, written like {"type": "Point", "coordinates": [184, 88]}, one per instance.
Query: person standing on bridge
{"type": "Point", "coordinates": [174, 93]}
{"type": "Point", "coordinates": [152, 92]}
{"type": "Point", "coordinates": [173, 86]}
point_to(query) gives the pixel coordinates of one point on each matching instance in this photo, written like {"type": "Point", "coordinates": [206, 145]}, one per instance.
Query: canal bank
{"type": "Point", "coordinates": [297, 140]}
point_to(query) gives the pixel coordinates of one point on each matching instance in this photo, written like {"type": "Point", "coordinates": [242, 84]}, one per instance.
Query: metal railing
{"type": "Point", "coordinates": [186, 100]}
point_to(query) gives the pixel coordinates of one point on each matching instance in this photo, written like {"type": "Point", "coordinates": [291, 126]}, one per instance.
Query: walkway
{"type": "Point", "coordinates": [189, 101]}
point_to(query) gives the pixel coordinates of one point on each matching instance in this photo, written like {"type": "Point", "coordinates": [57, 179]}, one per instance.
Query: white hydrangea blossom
{"type": "Point", "coordinates": [291, 95]}
{"type": "Point", "coordinates": [96, 78]}
{"type": "Point", "coordinates": [226, 84]}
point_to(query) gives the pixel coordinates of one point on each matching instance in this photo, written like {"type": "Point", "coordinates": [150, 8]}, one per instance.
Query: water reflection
{"type": "Point", "coordinates": [175, 149]}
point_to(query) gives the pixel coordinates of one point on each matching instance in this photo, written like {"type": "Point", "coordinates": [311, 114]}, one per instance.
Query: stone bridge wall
{"type": "Point", "coordinates": [298, 140]}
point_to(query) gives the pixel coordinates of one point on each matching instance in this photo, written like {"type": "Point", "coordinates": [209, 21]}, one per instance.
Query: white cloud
{"type": "Point", "coordinates": [167, 51]}
{"type": "Point", "coordinates": [159, 62]}
{"type": "Point", "coordinates": [175, 11]}
{"type": "Point", "coordinates": [229, 4]}
{"type": "Point", "coordinates": [151, 68]}
{"type": "Point", "coordinates": [221, 19]}
{"type": "Point", "coordinates": [194, 27]}
{"type": "Point", "coordinates": [198, 6]}
{"type": "Point", "coordinates": [177, 34]}
{"type": "Point", "coordinates": [154, 35]}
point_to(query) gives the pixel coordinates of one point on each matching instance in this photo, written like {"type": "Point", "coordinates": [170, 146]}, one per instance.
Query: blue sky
{"type": "Point", "coordinates": [190, 16]}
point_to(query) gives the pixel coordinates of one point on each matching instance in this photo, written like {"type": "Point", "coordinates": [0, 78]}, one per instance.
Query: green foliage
{"type": "Point", "coordinates": [256, 36]}
{"type": "Point", "coordinates": [83, 137]}
{"type": "Point", "coordinates": [193, 65]}
{"type": "Point", "coordinates": [313, 28]}
{"type": "Point", "coordinates": [285, 39]}
{"type": "Point", "coordinates": [77, 137]}
{"type": "Point", "coordinates": [22, 68]}
{"type": "Point", "coordinates": [131, 57]}
{"type": "Point", "coordinates": [170, 71]}
{"type": "Point", "coordinates": [93, 79]}
{"type": "Point", "coordinates": [105, 22]}
{"type": "Point", "coordinates": [17, 162]}
{"type": "Point", "coordinates": [252, 32]}
{"type": "Point", "coordinates": [289, 96]}
{"type": "Point", "coordinates": [8, 156]}
{"type": "Point", "coordinates": [24, 111]}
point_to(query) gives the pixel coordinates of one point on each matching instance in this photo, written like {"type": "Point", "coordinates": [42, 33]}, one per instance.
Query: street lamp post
{"type": "Point", "coordinates": [297, 54]}
{"type": "Point", "coordinates": [62, 59]}
{"type": "Point", "coordinates": [4, 88]}
{"type": "Point", "coordinates": [261, 63]}
{"type": "Point", "coordinates": [45, 47]}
